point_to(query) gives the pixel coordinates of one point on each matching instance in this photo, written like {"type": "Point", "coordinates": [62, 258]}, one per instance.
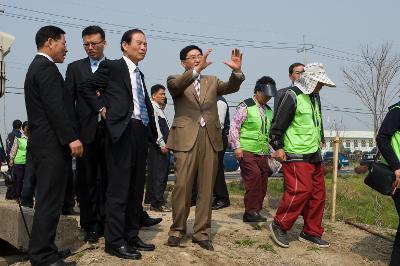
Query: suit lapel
{"type": "Point", "coordinates": [87, 69]}
{"type": "Point", "coordinates": [203, 89]}
{"type": "Point", "coordinates": [193, 89]}
{"type": "Point", "coordinates": [125, 76]}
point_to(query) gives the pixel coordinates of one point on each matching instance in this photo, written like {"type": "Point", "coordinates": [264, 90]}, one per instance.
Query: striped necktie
{"type": "Point", "coordinates": [142, 104]}
{"type": "Point", "coordinates": [197, 88]}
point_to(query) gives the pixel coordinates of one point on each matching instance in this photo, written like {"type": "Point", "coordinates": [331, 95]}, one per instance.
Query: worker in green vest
{"type": "Point", "coordinates": [18, 158]}
{"type": "Point", "coordinates": [249, 136]}
{"type": "Point", "coordinates": [388, 141]}
{"type": "Point", "coordinates": [296, 136]}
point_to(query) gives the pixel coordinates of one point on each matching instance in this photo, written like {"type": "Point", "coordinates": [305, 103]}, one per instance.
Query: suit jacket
{"type": "Point", "coordinates": [113, 81]}
{"type": "Point", "coordinates": [78, 72]}
{"type": "Point", "coordinates": [189, 108]}
{"type": "Point", "coordinates": [49, 107]}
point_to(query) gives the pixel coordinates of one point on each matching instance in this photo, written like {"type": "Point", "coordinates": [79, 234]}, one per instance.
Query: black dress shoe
{"type": "Point", "coordinates": [91, 237]}
{"type": "Point", "coordinates": [63, 254]}
{"type": "Point", "coordinates": [69, 211]}
{"type": "Point", "coordinates": [253, 217]}
{"type": "Point", "coordinates": [174, 241]}
{"type": "Point", "coordinates": [206, 244]}
{"type": "Point", "coordinates": [161, 208]}
{"type": "Point", "coordinates": [220, 205]}
{"type": "Point", "coordinates": [63, 263]}
{"type": "Point", "coordinates": [138, 244]}
{"type": "Point", "coordinates": [151, 221]}
{"type": "Point", "coordinates": [125, 252]}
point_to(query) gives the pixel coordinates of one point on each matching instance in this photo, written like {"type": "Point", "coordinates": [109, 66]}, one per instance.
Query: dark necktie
{"type": "Point", "coordinates": [142, 104]}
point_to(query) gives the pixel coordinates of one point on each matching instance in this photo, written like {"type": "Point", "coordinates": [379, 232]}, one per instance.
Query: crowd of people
{"type": "Point", "coordinates": [103, 116]}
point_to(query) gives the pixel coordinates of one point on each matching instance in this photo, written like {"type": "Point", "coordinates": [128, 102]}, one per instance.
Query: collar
{"type": "Point", "coordinates": [155, 104]}
{"type": "Point", "coordinates": [92, 60]}
{"type": "Point", "coordinates": [257, 103]}
{"type": "Point", "coordinates": [45, 55]}
{"type": "Point", "coordinates": [131, 66]}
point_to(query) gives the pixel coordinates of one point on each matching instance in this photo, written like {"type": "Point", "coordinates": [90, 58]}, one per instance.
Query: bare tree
{"type": "Point", "coordinates": [375, 80]}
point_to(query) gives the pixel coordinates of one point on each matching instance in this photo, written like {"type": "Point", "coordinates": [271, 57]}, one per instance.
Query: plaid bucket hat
{"type": "Point", "coordinates": [313, 73]}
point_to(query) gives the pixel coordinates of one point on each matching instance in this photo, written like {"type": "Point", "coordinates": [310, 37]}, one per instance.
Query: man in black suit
{"type": "Point", "coordinates": [53, 139]}
{"type": "Point", "coordinates": [125, 105]}
{"type": "Point", "coordinates": [90, 168]}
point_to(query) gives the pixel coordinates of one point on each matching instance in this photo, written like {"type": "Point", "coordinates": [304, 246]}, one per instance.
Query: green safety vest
{"type": "Point", "coordinates": [20, 157]}
{"type": "Point", "coordinates": [254, 132]}
{"type": "Point", "coordinates": [303, 136]}
{"type": "Point", "coordinates": [394, 142]}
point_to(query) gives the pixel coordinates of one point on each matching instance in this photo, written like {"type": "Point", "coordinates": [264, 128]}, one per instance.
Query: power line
{"type": "Point", "coordinates": [250, 43]}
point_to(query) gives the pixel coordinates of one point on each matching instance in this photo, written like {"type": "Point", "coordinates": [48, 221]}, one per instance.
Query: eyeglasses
{"type": "Point", "coordinates": [298, 72]}
{"type": "Point", "coordinates": [194, 57]}
{"type": "Point", "coordinates": [93, 44]}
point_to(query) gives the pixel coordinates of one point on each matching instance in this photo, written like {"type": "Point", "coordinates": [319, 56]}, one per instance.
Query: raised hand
{"type": "Point", "coordinates": [236, 61]}
{"type": "Point", "coordinates": [203, 62]}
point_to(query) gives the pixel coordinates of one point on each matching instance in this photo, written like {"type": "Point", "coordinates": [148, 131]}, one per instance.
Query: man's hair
{"type": "Point", "coordinates": [17, 124]}
{"type": "Point", "coordinates": [293, 66]}
{"type": "Point", "coordinates": [47, 32]}
{"type": "Point", "coordinates": [127, 37]}
{"type": "Point", "coordinates": [262, 81]}
{"type": "Point", "coordinates": [25, 125]}
{"type": "Point", "coordinates": [156, 88]}
{"type": "Point", "coordinates": [94, 29]}
{"type": "Point", "coordinates": [187, 49]}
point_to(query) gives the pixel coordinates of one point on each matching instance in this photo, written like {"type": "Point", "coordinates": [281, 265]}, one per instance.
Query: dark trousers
{"type": "Point", "coordinates": [220, 189]}
{"type": "Point", "coordinates": [395, 258]}
{"type": "Point", "coordinates": [126, 168]}
{"type": "Point", "coordinates": [18, 176]}
{"type": "Point", "coordinates": [51, 170]}
{"type": "Point", "coordinates": [254, 171]}
{"type": "Point", "coordinates": [28, 186]}
{"type": "Point", "coordinates": [157, 176]}
{"type": "Point", "coordinates": [304, 195]}
{"type": "Point", "coordinates": [69, 198]}
{"type": "Point", "coordinates": [87, 187]}
{"type": "Point", "coordinates": [90, 182]}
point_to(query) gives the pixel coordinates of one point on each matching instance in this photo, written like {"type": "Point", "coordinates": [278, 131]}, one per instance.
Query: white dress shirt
{"type": "Point", "coordinates": [159, 112]}
{"type": "Point", "coordinates": [47, 56]}
{"type": "Point", "coordinates": [132, 75]}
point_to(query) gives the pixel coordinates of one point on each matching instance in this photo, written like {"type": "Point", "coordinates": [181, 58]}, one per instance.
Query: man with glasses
{"type": "Point", "coordinates": [195, 138]}
{"type": "Point", "coordinates": [53, 140]}
{"type": "Point", "coordinates": [90, 182]}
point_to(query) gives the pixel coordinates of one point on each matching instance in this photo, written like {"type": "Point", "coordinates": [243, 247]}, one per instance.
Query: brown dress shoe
{"type": "Point", "coordinates": [173, 241]}
{"type": "Point", "coordinates": [206, 244]}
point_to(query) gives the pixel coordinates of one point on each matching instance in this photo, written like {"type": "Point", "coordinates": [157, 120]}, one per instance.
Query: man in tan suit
{"type": "Point", "coordinates": [195, 138]}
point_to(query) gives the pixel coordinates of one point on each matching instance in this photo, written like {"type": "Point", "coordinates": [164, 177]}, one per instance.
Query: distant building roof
{"type": "Point", "coordinates": [349, 134]}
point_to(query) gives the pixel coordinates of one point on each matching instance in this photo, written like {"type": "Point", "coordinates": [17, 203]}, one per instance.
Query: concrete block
{"type": "Point", "coordinates": [12, 228]}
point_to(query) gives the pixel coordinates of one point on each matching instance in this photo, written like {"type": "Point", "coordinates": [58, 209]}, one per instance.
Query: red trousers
{"type": "Point", "coordinates": [254, 171]}
{"type": "Point", "coordinates": [304, 194]}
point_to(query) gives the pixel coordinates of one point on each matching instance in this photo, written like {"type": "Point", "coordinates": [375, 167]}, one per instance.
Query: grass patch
{"type": "Point", "coordinates": [354, 200]}
{"type": "Point", "coordinates": [257, 227]}
{"type": "Point", "coordinates": [246, 242]}
{"type": "Point", "coordinates": [267, 247]}
{"type": "Point", "coordinates": [313, 249]}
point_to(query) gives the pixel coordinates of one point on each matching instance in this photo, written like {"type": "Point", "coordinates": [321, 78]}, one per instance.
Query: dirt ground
{"type": "Point", "coordinates": [237, 243]}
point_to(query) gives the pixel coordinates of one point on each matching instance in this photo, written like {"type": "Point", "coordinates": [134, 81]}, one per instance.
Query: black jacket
{"type": "Point", "coordinates": [78, 72]}
{"type": "Point", "coordinates": [49, 107]}
{"type": "Point", "coordinates": [113, 81]}
{"type": "Point", "coordinates": [390, 125]}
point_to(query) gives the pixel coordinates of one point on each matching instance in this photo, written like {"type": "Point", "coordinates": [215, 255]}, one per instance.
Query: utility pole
{"type": "Point", "coordinates": [304, 49]}
{"type": "Point", "coordinates": [6, 40]}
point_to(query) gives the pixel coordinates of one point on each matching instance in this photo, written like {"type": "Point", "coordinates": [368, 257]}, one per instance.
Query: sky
{"type": "Point", "coordinates": [269, 34]}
